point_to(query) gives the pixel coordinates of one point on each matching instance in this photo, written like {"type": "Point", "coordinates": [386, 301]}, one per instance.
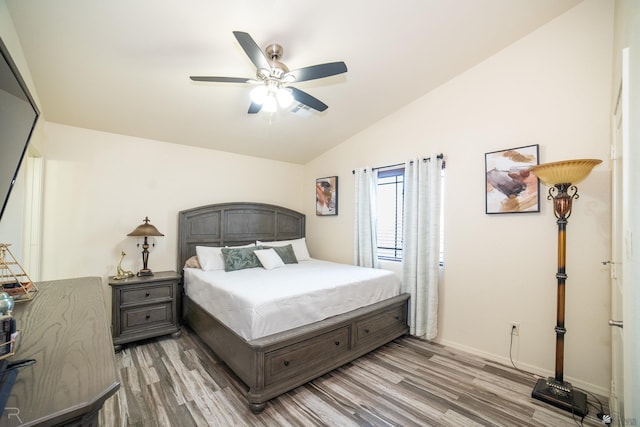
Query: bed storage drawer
{"type": "Point", "coordinates": [292, 360]}
{"type": "Point", "coordinates": [371, 328]}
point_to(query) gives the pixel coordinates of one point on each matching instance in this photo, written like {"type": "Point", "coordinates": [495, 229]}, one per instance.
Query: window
{"type": "Point", "coordinates": [390, 214]}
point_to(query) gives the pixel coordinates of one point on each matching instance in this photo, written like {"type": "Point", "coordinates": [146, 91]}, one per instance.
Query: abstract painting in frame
{"type": "Point", "coordinates": [327, 196]}
{"type": "Point", "coordinates": [510, 187]}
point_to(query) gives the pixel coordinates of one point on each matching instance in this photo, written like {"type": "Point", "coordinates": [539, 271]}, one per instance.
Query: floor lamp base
{"type": "Point", "coordinates": [561, 395]}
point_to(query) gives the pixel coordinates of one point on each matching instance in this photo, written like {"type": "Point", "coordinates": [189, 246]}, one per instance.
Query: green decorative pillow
{"type": "Point", "coordinates": [286, 253]}
{"type": "Point", "coordinates": [240, 258]}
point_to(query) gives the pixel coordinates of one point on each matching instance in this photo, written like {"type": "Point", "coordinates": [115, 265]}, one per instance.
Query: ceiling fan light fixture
{"type": "Point", "coordinates": [285, 97]}
{"type": "Point", "coordinates": [270, 105]}
{"type": "Point", "coordinates": [259, 94]}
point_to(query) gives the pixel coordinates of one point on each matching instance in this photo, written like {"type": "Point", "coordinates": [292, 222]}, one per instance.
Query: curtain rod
{"type": "Point", "coordinates": [424, 159]}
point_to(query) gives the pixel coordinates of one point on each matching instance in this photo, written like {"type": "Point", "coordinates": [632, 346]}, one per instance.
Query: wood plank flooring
{"type": "Point", "coordinates": [408, 382]}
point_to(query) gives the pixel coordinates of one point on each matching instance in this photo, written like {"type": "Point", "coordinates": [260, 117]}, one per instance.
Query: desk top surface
{"type": "Point", "coordinates": [64, 328]}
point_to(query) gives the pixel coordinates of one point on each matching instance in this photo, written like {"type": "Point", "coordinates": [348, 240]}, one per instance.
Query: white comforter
{"type": "Point", "coordinates": [257, 302]}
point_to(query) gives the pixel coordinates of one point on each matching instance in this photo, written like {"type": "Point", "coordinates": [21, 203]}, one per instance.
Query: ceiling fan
{"type": "Point", "coordinates": [274, 78]}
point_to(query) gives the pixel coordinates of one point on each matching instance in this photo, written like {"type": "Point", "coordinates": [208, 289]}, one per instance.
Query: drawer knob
{"type": "Point", "coordinates": [285, 363]}
{"type": "Point", "coordinates": [366, 331]}
{"type": "Point", "coordinates": [147, 294]}
{"type": "Point", "coordinates": [397, 317]}
{"type": "Point", "coordinates": [148, 316]}
{"type": "Point", "coordinates": [337, 343]}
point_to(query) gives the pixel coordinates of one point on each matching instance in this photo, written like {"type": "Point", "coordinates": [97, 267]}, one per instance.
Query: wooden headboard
{"type": "Point", "coordinates": [233, 224]}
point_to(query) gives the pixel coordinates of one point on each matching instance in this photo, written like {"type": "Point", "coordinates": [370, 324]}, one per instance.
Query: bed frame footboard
{"type": "Point", "coordinates": [278, 363]}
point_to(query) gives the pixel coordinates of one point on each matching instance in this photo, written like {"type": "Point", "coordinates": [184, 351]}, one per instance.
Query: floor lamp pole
{"type": "Point", "coordinates": [561, 276]}
{"type": "Point", "coordinates": [556, 391]}
{"type": "Point", "coordinates": [561, 178]}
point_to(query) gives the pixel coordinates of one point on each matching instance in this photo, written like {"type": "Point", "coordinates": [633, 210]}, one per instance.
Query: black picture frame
{"type": "Point", "coordinates": [327, 196]}
{"type": "Point", "coordinates": [509, 185]}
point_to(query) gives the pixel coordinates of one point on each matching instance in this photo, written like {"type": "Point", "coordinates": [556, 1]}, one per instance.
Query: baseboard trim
{"type": "Point", "coordinates": [537, 371]}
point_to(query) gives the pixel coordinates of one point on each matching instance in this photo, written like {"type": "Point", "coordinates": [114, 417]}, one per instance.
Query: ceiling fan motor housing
{"type": "Point", "coordinates": [274, 52]}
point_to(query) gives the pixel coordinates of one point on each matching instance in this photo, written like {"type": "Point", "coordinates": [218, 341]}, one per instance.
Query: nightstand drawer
{"type": "Point", "coordinates": [144, 294]}
{"type": "Point", "coordinates": [146, 317]}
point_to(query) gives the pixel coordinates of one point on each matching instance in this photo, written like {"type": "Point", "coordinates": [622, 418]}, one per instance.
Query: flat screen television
{"type": "Point", "coordinates": [18, 117]}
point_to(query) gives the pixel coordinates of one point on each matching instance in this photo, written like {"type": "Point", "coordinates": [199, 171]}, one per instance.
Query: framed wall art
{"type": "Point", "coordinates": [510, 187]}
{"type": "Point", "coordinates": [327, 196]}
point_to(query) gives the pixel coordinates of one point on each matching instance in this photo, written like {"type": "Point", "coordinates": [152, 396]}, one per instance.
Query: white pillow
{"type": "Point", "coordinates": [210, 258]}
{"type": "Point", "coordinates": [269, 258]}
{"type": "Point", "coordinates": [299, 247]}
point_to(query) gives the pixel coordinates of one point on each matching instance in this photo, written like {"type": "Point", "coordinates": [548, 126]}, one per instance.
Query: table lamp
{"type": "Point", "coordinates": [145, 230]}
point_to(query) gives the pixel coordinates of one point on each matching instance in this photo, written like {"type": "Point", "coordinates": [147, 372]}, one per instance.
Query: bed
{"type": "Point", "coordinates": [272, 362]}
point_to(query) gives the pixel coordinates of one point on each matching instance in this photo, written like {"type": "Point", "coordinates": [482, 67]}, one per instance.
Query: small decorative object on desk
{"type": "Point", "coordinates": [14, 280]}
{"type": "Point", "coordinates": [121, 273]}
{"type": "Point", "coordinates": [6, 304]}
{"type": "Point", "coordinates": [8, 336]}
{"type": "Point", "coordinates": [8, 333]}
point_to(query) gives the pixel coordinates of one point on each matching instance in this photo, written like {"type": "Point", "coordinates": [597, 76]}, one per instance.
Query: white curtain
{"type": "Point", "coordinates": [421, 243]}
{"type": "Point", "coordinates": [365, 242]}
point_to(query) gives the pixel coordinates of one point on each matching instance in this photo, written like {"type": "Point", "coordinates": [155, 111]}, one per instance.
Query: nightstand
{"type": "Point", "coordinates": [144, 307]}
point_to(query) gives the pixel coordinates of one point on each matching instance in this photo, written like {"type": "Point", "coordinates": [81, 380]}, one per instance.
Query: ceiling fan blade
{"type": "Point", "coordinates": [220, 79]}
{"type": "Point", "coordinates": [252, 50]}
{"type": "Point", "coordinates": [308, 100]}
{"type": "Point", "coordinates": [316, 71]}
{"type": "Point", "coordinates": [254, 108]}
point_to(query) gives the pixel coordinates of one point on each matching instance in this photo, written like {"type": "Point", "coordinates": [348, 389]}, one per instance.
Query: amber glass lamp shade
{"type": "Point", "coordinates": [564, 172]}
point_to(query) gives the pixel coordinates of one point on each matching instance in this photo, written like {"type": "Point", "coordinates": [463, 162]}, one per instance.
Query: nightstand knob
{"type": "Point", "coordinates": [147, 294]}
{"type": "Point", "coordinates": [285, 363]}
{"type": "Point", "coordinates": [148, 316]}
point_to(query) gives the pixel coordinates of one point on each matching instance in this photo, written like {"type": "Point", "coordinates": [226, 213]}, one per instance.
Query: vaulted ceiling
{"type": "Point", "coordinates": [123, 66]}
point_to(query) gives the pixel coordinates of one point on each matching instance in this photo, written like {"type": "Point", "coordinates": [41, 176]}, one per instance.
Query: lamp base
{"type": "Point", "coordinates": [145, 272]}
{"type": "Point", "coordinates": [561, 394]}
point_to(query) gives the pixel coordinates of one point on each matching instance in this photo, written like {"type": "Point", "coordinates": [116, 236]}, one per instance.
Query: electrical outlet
{"type": "Point", "coordinates": [515, 328]}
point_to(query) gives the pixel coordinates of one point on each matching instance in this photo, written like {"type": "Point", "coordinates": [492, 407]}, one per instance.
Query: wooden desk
{"type": "Point", "coordinates": [65, 329]}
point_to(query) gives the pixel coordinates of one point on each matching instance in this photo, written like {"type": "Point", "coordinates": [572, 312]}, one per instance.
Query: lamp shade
{"type": "Point", "coordinates": [285, 97]}
{"type": "Point", "coordinates": [145, 229]}
{"type": "Point", "coordinates": [270, 105]}
{"type": "Point", "coordinates": [565, 171]}
{"type": "Point", "coordinates": [259, 94]}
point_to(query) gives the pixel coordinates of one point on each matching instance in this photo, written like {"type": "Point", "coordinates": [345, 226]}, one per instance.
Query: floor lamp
{"type": "Point", "coordinates": [561, 178]}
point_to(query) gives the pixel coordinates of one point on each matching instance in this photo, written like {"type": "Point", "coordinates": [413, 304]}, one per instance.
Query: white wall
{"type": "Point", "coordinates": [551, 88]}
{"type": "Point", "coordinates": [100, 186]}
